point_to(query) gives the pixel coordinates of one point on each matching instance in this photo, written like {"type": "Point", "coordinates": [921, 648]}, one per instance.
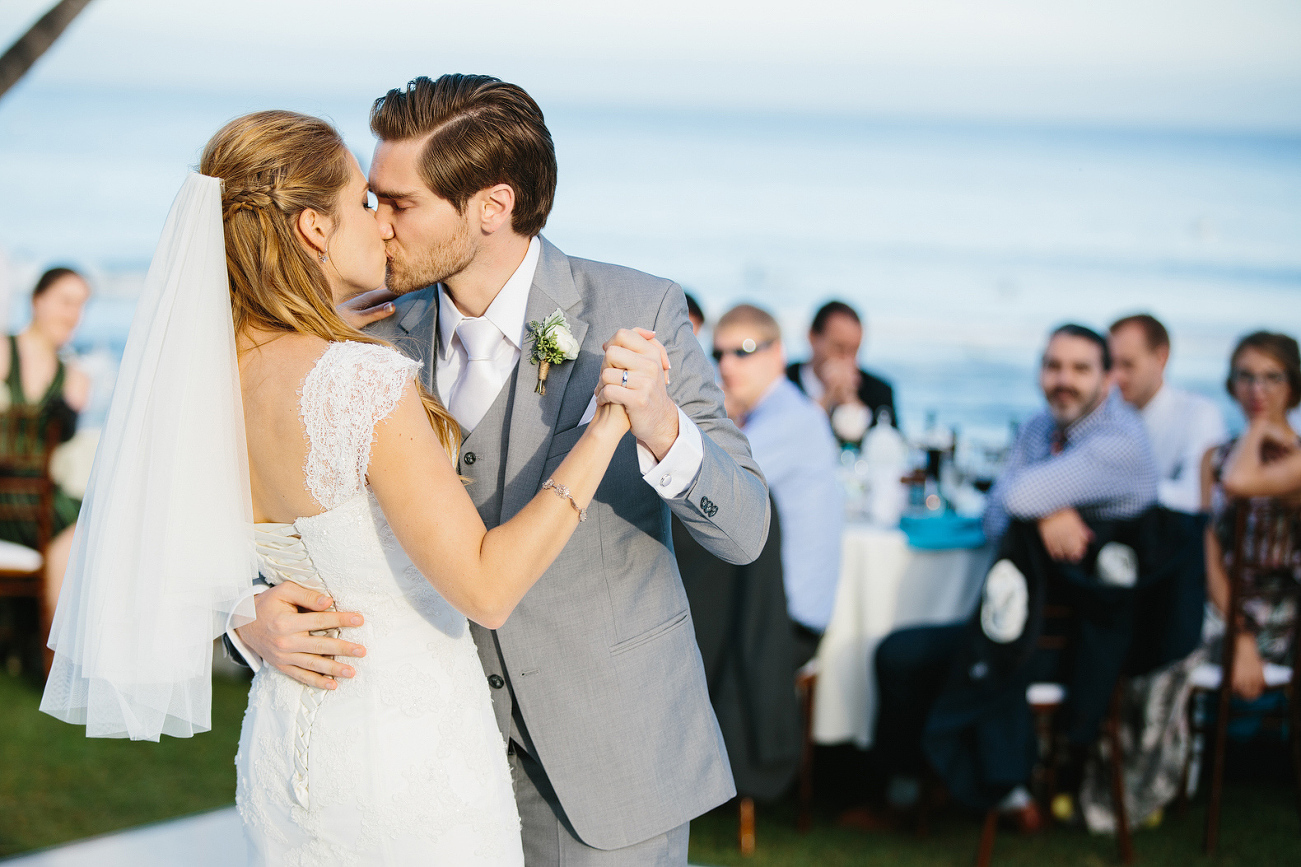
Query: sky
{"type": "Point", "coordinates": [1209, 64]}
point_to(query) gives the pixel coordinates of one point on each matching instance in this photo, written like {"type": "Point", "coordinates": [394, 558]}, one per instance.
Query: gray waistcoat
{"type": "Point", "coordinates": [483, 462]}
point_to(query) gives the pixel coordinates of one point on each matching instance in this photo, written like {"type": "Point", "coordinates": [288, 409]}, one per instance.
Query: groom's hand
{"type": "Point", "coordinates": [367, 307]}
{"type": "Point", "coordinates": [652, 413]}
{"type": "Point", "coordinates": [287, 614]}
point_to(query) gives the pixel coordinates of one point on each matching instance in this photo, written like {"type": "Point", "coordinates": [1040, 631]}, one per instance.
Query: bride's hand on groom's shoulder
{"type": "Point", "coordinates": [643, 392]}
{"type": "Point", "coordinates": [287, 614]}
{"type": "Point", "coordinates": [363, 309]}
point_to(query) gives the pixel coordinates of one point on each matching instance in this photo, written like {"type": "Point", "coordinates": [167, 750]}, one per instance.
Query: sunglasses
{"type": "Point", "coordinates": [747, 348]}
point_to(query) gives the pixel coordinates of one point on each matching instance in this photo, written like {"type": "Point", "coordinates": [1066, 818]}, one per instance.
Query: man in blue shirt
{"type": "Point", "coordinates": [1086, 457]}
{"type": "Point", "coordinates": [792, 442]}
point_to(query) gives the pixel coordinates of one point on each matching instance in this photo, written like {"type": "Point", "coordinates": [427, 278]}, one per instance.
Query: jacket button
{"type": "Point", "coordinates": [469, 458]}
{"type": "Point", "coordinates": [495, 681]}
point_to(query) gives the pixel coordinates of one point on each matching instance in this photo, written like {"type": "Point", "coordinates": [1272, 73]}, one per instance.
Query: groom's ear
{"type": "Point", "coordinates": [495, 206]}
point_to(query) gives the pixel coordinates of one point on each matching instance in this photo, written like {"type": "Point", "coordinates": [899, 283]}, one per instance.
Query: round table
{"type": "Point", "coordinates": [884, 585]}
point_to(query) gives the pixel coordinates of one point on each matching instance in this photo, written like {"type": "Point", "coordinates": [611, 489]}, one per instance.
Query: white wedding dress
{"type": "Point", "coordinates": [402, 764]}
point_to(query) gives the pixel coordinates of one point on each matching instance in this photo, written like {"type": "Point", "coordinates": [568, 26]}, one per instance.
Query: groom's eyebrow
{"type": "Point", "coordinates": [389, 194]}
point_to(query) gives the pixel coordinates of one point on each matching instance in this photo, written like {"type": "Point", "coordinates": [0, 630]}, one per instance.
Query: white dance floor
{"type": "Point", "coordinates": [212, 839]}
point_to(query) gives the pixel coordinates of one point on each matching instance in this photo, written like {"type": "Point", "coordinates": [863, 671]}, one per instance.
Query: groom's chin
{"type": "Point", "coordinates": [402, 284]}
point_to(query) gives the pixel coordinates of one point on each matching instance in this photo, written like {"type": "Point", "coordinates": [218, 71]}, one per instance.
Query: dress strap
{"type": "Point", "coordinates": [56, 385]}
{"type": "Point", "coordinates": [15, 378]}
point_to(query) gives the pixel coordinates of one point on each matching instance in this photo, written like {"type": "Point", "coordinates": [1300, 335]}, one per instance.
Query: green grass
{"type": "Point", "coordinates": [1260, 827]}
{"type": "Point", "coordinates": [57, 785]}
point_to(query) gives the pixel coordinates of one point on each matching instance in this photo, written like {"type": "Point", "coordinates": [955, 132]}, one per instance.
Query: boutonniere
{"type": "Point", "coordinates": [553, 343]}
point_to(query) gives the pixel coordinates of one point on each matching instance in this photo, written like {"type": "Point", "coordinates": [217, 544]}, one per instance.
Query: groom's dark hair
{"type": "Point", "coordinates": [482, 132]}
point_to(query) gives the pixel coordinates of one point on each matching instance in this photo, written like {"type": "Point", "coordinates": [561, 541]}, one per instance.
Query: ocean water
{"type": "Point", "coordinates": [961, 243]}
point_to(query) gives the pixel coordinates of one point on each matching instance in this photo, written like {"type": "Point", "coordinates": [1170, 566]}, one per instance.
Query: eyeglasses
{"type": "Point", "coordinates": [747, 348]}
{"type": "Point", "coordinates": [1246, 379]}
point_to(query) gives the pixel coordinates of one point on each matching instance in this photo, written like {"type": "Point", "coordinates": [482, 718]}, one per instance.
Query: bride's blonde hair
{"type": "Point", "coordinates": [274, 165]}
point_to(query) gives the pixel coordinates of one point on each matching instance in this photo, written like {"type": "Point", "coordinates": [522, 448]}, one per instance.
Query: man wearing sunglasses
{"type": "Point", "coordinates": [792, 442]}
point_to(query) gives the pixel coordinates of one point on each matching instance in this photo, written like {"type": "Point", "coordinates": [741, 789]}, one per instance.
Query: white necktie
{"type": "Point", "coordinates": [479, 382]}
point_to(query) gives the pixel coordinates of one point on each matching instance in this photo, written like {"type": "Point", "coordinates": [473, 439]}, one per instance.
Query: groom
{"type": "Point", "coordinates": [596, 679]}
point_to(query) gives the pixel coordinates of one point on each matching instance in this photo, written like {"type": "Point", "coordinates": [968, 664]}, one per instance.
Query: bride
{"type": "Point", "coordinates": [253, 430]}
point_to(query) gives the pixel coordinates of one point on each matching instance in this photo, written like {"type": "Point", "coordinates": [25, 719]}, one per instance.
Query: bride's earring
{"type": "Point", "coordinates": [323, 257]}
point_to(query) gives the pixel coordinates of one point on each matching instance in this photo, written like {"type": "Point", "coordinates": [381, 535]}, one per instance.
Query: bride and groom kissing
{"type": "Point", "coordinates": [468, 501]}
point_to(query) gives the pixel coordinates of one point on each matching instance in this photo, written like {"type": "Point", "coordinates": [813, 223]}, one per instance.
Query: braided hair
{"type": "Point", "coordinates": [273, 166]}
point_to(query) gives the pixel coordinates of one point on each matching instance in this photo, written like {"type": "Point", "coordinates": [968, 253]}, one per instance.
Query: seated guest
{"type": "Point", "coordinates": [832, 376]}
{"type": "Point", "coordinates": [746, 643]}
{"type": "Point", "coordinates": [695, 315]}
{"type": "Point", "coordinates": [1086, 455]}
{"type": "Point", "coordinates": [1181, 425]}
{"type": "Point", "coordinates": [1265, 462]}
{"type": "Point", "coordinates": [792, 442]}
{"type": "Point", "coordinates": [1085, 458]}
{"type": "Point", "coordinates": [37, 377]}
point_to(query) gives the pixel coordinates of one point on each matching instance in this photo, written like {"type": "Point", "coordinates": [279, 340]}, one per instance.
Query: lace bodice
{"type": "Point", "coordinates": [351, 388]}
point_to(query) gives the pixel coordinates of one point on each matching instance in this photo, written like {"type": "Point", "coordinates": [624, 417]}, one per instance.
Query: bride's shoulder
{"type": "Point", "coordinates": [269, 358]}
{"type": "Point", "coordinates": [353, 355]}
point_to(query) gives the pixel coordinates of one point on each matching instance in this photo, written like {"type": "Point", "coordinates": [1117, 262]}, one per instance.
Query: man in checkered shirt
{"type": "Point", "coordinates": [1086, 457]}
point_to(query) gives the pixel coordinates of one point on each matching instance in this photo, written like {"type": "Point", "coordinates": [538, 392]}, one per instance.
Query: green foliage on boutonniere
{"type": "Point", "coordinates": [553, 343]}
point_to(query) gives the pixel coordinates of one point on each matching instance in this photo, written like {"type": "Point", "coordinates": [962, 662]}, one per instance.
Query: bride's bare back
{"type": "Point", "coordinates": [272, 368]}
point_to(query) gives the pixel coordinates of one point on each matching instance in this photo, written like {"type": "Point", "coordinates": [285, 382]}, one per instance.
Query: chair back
{"type": "Point", "coordinates": [27, 441]}
{"type": "Point", "coordinates": [1266, 536]}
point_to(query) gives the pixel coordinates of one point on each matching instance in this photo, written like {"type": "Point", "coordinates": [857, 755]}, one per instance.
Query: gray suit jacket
{"type": "Point", "coordinates": [601, 654]}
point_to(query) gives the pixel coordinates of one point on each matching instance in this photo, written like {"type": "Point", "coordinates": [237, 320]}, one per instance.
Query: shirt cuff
{"type": "Point", "coordinates": [673, 475]}
{"type": "Point", "coordinates": [245, 612]}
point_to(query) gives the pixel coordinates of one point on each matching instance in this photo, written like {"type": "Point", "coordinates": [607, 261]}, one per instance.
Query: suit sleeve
{"type": "Point", "coordinates": [725, 508]}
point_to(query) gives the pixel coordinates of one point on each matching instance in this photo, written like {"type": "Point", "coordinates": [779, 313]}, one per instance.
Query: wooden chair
{"type": "Point", "coordinates": [806, 679]}
{"type": "Point", "coordinates": [806, 682]}
{"type": "Point", "coordinates": [27, 495]}
{"type": "Point", "coordinates": [1276, 546]}
{"type": "Point", "coordinates": [1045, 700]}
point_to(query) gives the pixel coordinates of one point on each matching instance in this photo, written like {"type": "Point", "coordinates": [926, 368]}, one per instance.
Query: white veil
{"type": "Point", "coordinates": [164, 545]}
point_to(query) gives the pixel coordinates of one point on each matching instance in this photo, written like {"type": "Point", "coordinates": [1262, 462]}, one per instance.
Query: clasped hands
{"type": "Point", "coordinates": [288, 613]}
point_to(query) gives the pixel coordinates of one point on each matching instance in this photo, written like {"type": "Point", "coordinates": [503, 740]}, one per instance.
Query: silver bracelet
{"type": "Point", "coordinates": [563, 493]}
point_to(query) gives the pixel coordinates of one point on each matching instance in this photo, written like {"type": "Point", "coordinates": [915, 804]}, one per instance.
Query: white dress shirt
{"type": "Point", "coordinates": [509, 312]}
{"type": "Point", "coordinates": [809, 381]}
{"type": "Point", "coordinates": [1182, 426]}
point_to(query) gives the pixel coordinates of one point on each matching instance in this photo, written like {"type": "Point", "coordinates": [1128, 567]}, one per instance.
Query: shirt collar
{"type": "Point", "coordinates": [1158, 402]}
{"type": "Point", "coordinates": [507, 311]}
{"type": "Point", "coordinates": [1083, 425]}
{"type": "Point", "coordinates": [763, 399]}
{"type": "Point", "coordinates": [813, 386]}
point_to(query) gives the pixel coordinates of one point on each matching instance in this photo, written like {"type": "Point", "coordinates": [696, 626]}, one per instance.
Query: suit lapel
{"type": "Point", "coordinates": [419, 324]}
{"type": "Point", "coordinates": [533, 416]}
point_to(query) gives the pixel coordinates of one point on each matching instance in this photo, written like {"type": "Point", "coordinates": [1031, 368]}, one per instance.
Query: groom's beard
{"type": "Point", "coordinates": [434, 264]}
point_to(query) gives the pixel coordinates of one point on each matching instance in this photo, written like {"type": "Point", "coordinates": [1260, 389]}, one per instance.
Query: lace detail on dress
{"type": "Point", "coordinates": [351, 388]}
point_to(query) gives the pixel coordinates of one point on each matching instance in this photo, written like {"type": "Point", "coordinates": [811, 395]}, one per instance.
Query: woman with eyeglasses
{"type": "Point", "coordinates": [1262, 465]}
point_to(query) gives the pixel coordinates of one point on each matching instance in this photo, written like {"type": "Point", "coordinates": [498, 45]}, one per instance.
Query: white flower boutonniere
{"type": "Point", "coordinates": [553, 343]}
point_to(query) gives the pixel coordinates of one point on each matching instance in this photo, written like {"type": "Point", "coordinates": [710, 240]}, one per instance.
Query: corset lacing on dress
{"type": "Point", "coordinates": [282, 557]}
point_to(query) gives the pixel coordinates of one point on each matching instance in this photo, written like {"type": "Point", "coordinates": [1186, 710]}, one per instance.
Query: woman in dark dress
{"type": "Point", "coordinates": [1262, 465]}
{"type": "Point", "coordinates": [35, 375]}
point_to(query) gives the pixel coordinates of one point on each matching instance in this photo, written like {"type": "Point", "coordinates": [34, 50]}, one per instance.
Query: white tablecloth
{"type": "Point", "coordinates": [884, 585]}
